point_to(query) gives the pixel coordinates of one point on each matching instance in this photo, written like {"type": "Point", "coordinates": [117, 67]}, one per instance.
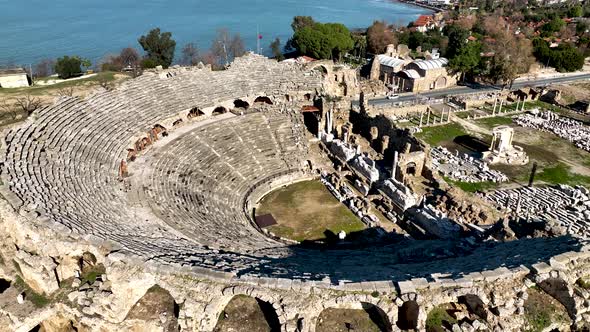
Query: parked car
{"type": "Point", "coordinates": [393, 96]}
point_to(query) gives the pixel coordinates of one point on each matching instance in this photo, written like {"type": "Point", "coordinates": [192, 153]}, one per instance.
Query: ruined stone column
{"type": "Point", "coordinates": [374, 133]}
{"type": "Point", "coordinates": [384, 143]}
{"type": "Point", "coordinates": [495, 103]}
{"type": "Point", "coordinates": [395, 161]}
{"type": "Point", "coordinates": [421, 116]}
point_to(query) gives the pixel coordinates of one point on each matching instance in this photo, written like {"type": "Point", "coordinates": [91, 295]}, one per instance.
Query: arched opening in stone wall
{"type": "Point", "coordinates": [195, 112]}
{"type": "Point", "coordinates": [307, 96]}
{"type": "Point", "coordinates": [4, 285]}
{"type": "Point", "coordinates": [321, 69]}
{"type": "Point", "coordinates": [474, 305]}
{"type": "Point", "coordinates": [411, 168]}
{"type": "Point", "coordinates": [558, 289]}
{"type": "Point", "coordinates": [156, 305]}
{"type": "Point", "coordinates": [407, 316]}
{"type": "Point", "coordinates": [36, 328]}
{"type": "Point", "coordinates": [239, 103]}
{"type": "Point", "coordinates": [311, 120]}
{"type": "Point", "coordinates": [219, 110]}
{"type": "Point", "coordinates": [246, 313]}
{"type": "Point", "coordinates": [177, 123]}
{"type": "Point", "coordinates": [159, 129]}
{"type": "Point", "coordinates": [368, 318]}
{"type": "Point", "coordinates": [264, 100]}
{"type": "Point", "coordinates": [287, 98]}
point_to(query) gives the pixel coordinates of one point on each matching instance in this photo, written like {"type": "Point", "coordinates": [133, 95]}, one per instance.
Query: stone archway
{"type": "Point", "coordinates": [561, 291]}
{"type": "Point", "coordinates": [157, 305]}
{"type": "Point", "coordinates": [239, 103]}
{"type": "Point", "coordinates": [322, 69]}
{"type": "Point", "coordinates": [264, 100]}
{"type": "Point", "coordinates": [195, 112]}
{"type": "Point", "coordinates": [219, 110]}
{"type": "Point", "coordinates": [440, 82]}
{"type": "Point", "coordinates": [248, 313]}
{"type": "Point", "coordinates": [411, 168]}
{"type": "Point", "coordinates": [359, 316]}
{"type": "Point", "coordinates": [408, 315]}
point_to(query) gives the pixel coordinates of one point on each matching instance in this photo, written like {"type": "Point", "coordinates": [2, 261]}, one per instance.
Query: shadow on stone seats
{"type": "Point", "coordinates": [406, 259]}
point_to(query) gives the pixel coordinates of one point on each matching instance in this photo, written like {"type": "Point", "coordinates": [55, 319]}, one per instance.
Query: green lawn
{"type": "Point", "coordinates": [436, 317]}
{"type": "Point", "coordinates": [561, 174]}
{"type": "Point", "coordinates": [472, 187]}
{"type": "Point", "coordinates": [438, 134]}
{"type": "Point", "coordinates": [305, 210]}
{"type": "Point", "coordinates": [494, 121]}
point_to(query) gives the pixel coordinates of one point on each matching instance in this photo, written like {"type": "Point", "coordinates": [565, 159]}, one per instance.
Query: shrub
{"type": "Point", "coordinates": [148, 63]}
{"type": "Point", "coordinates": [67, 67]}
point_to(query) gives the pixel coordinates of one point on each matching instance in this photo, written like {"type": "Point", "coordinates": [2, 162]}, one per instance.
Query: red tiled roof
{"type": "Point", "coordinates": [423, 20]}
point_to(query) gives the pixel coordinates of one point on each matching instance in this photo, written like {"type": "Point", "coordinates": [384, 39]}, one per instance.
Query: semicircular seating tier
{"type": "Point", "coordinates": [63, 164]}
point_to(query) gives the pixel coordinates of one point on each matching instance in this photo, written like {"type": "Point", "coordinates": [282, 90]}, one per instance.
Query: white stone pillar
{"type": "Point", "coordinates": [395, 161]}
{"type": "Point", "coordinates": [421, 116]}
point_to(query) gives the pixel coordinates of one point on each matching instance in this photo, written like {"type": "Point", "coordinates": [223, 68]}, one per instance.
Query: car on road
{"type": "Point", "coordinates": [393, 96]}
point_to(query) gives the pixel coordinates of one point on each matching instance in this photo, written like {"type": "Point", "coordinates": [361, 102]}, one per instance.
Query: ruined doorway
{"type": "Point", "coordinates": [411, 168]}
{"type": "Point", "coordinates": [407, 317]}
{"type": "Point", "coordinates": [219, 110]}
{"type": "Point", "coordinates": [264, 100]}
{"type": "Point", "coordinates": [239, 103]}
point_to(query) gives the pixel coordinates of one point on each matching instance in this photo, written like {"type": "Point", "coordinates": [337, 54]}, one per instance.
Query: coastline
{"type": "Point", "coordinates": [418, 4]}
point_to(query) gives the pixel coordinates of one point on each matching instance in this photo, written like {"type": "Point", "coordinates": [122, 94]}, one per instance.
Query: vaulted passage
{"type": "Point", "coordinates": [407, 318]}
{"type": "Point", "coordinates": [368, 318]}
{"type": "Point", "coordinates": [245, 313]}
{"type": "Point", "coordinates": [4, 285]}
{"type": "Point", "coordinates": [264, 99]}
{"type": "Point", "coordinates": [239, 103]}
{"type": "Point", "coordinates": [195, 112]}
{"type": "Point", "coordinates": [219, 110]}
{"type": "Point", "coordinates": [156, 305]}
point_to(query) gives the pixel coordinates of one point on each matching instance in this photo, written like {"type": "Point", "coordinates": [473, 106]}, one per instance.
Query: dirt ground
{"type": "Point", "coordinates": [306, 210]}
{"type": "Point", "coordinates": [156, 303]}
{"type": "Point", "coordinates": [242, 313]}
{"type": "Point", "coordinates": [542, 310]}
{"type": "Point", "coordinates": [345, 320]}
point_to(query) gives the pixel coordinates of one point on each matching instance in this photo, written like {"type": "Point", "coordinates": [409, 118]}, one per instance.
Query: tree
{"type": "Point", "coordinates": [300, 22]}
{"type": "Point", "coordinates": [67, 67]}
{"type": "Point", "coordinates": [575, 11]}
{"type": "Point", "coordinates": [564, 58]}
{"type": "Point", "coordinates": [275, 47]}
{"type": "Point", "coordinates": [28, 103]}
{"type": "Point", "coordinates": [379, 36]}
{"type": "Point", "coordinates": [44, 68]}
{"type": "Point", "coordinates": [225, 47]}
{"type": "Point", "coordinates": [129, 57]}
{"type": "Point", "coordinates": [552, 26]}
{"type": "Point", "coordinates": [457, 40]}
{"type": "Point", "coordinates": [190, 55]}
{"type": "Point", "coordinates": [159, 47]}
{"type": "Point", "coordinates": [323, 40]}
{"type": "Point", "coordinates": [512, 56]}
{"type": "Point", "coordinates": [466, 59]}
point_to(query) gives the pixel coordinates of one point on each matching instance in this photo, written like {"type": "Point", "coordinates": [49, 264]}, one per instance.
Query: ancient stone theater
{"type": "Point", "coordinates": [148, 190]}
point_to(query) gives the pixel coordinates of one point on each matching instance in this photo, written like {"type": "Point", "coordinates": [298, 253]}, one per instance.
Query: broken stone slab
{"type": "Point", "coordinates": [540, 268]}
{"type": "Point", "coordinates": [406, 287]}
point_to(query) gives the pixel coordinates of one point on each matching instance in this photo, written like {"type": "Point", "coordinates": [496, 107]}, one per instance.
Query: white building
{"type": "Point", "coordinates": [13, 78]}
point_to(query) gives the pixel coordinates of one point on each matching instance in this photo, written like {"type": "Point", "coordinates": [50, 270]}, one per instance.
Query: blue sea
{"type": "Point", "coordinates": [31, 30]}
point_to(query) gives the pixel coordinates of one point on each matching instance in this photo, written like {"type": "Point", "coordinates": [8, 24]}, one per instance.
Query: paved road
{"type": "Point", "coordinates": [477, 88]}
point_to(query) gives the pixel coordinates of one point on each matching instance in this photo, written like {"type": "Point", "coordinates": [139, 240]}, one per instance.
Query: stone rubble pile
{"type": "Point", "coordinates": [569, 129]}
{"type": "Point", "coordinates": [464, 168]}
{"type": "Point", "coordinates": [569, 206]}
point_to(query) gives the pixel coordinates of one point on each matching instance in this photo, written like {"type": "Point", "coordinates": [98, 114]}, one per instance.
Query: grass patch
{"type": "Point", "coordinates": [584, 283]}
{"type": "Point", "coordinates": [89, 275]}
{"type": "Point", "coordinates": [306, 210]}
{"type": "Point", "coordinates": [494, 121]}
{"type": "Point", "coordinates": [438, 134]}
{"type": "Point", "coordinates": [472, 186]}
{"type": "Point", "coordinates": [436, 317]}
{"type": "Point", "coordinates": [541, 310]}
{"type": "Point", "coordinates": [561, 174]}
{"type": "Point", "coordinates": [39, 300]}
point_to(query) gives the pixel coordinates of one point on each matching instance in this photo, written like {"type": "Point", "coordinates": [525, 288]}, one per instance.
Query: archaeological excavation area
{"type": "Point", "coordinates": [265, 197]}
